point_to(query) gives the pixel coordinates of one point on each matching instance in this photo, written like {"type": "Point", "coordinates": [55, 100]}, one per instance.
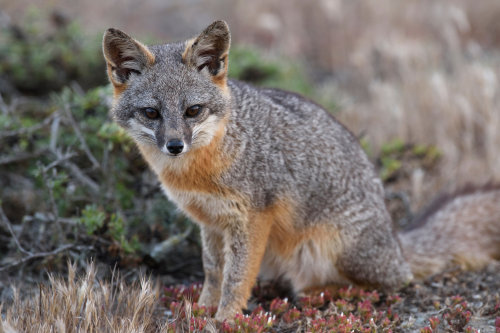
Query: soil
{"type": "Point", "coordinates": [434, 296]}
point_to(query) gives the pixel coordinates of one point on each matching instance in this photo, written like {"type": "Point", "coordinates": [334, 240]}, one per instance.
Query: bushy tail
{"type": "Point", "coordinates": [463, 229]}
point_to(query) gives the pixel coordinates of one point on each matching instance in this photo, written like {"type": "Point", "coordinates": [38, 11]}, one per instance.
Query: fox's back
{"type": "Point", "coordinates": [289, 146]}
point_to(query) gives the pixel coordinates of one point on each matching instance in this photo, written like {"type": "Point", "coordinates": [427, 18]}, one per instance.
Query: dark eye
{"type": "Point", "coordinates": [151, 113]}
{"type": "Point", "coordinates": [193, 111]}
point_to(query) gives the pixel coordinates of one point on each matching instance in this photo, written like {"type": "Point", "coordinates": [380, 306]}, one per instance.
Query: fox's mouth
{"type": "Point", "coordinates": [173, 155]}
{"type": "Point", "coordinates": [165, 152]}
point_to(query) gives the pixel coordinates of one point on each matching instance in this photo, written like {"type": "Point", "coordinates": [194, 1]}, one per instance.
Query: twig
{"type": "Point", "coordinates": [22, 157]}
{"type": "Point", "coordinates": [38, 255]}
{"type": "Point", "coordinates": [161, 250]}
{"type": "Point", "coordinates": [76, 172]}
{"type": "Point", "coordinates": [6, 221]}
{"type": "Point", "coordinates": [81, 177]}
{"type": "Point", "coordinates": [55, 210]}
{"type": "Point", "coordinates": [3, 105]}
{"type": "Point", "coordinates": [80, 137]}
{"type": "Point", "coordinates": [54, 130]}
{"type": "Point", "coordinates": [62, 159]}
{"type": "Point", "coordinates": [48, 217]}
{"type": "Point", "coordinates": [77, 88]}
{"type": "Point", "coordinates": [25, 130]}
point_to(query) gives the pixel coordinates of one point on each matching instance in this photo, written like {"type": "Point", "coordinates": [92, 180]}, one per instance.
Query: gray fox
{"type": "Point", "coordinates": [279, 188]}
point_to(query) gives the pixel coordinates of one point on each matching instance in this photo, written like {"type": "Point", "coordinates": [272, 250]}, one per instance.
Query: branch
{"type": "Point", "coordinates": [75, 171]}
{"type": "Point", "coordinates": [61, 159]}
{"type": "Point", "coordinates": [49, 185]}
{"type": "Point", "coordinates": [22, 157]}
{"type": "Point", "coordinates": [81, 177]}
{"type": "Point", "coordinates": [160, 250]}
{"type": "Point", "coordinates": [42, 217]}
{"type": "Point", "coordinates": [6, 221]}
{"type": "Point", "coordinates": [3, 107]}
{"type": "Point", "coordinates": [80, 137]}
{"type": "Point", "coordinates": [26, 130]}
{"type": "Point", "coordinates": [39, 255]}
{"type": "Point", "coordinates": [54, 130]}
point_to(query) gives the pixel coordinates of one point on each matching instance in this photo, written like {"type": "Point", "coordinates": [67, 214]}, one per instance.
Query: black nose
{"type": "Point", "coordinates": [175, 146]}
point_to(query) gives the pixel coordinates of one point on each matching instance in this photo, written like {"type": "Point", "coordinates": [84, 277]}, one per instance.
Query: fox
{"type": "Point", "coordinates": [279, 188]}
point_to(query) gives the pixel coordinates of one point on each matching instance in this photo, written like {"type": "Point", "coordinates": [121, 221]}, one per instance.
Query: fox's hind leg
{"type": "Point", "coordinates": [308, 262]}
{"type": "Point", "coordinates": [373, 258]}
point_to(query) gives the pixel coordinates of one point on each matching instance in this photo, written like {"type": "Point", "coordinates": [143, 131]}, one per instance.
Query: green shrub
{"type": "Point", "coordinates": [251, 65]}
{"type": "Point", "coordinates": [36, 58]}
{"type": "Point", "coordinates": [92, 219]}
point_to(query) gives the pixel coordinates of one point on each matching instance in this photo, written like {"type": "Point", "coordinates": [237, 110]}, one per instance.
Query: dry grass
{"type": "Point", "coordinates": [84, 304]}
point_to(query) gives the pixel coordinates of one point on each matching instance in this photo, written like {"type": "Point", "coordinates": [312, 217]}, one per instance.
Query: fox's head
{"type": "Point", "coordinates": [171, 96]}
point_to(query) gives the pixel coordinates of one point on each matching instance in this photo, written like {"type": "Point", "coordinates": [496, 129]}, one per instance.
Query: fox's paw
{"type": "Point", "coordinates": [209, 298]}
{"type": "Point", "coordinates": [227, 314]}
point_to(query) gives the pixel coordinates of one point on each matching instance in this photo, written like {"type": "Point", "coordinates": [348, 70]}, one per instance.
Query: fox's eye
{"type": "Point", "coordinates": [193, 111]}
{"type": "Point", "coordinates": [151, 113]}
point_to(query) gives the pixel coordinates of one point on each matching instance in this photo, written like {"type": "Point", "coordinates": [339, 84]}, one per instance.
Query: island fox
{"type": "Point", "coordinates": [279, 188]}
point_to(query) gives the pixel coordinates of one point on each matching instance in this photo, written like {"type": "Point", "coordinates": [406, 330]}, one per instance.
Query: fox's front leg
{"type": "Point", "coordinates": [244, 245]}
{"type": "Point", "coordinates": [213, 265]}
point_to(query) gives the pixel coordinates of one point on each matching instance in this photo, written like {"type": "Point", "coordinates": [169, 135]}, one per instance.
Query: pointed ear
{"type": "Point", "coordinates": [210, 51]}
{"type": "Point", "coordinates": [124, 56]}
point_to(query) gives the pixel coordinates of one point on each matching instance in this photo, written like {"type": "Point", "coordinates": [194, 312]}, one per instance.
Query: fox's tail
{"type": "Point", "coordinates": [463, 229]}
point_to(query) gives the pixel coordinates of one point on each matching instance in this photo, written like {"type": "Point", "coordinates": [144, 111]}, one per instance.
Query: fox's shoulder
{"type": "Point", "coordinates": [245, 93]}
{"type": "Point", "coordinates": [286, 111]}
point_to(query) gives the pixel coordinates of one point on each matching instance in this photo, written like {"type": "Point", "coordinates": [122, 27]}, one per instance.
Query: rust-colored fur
{"type": "Point", "coordinates": [118, 88]}
{"type": "Point", "coordinates": [200, 169]}
{"type": "Point", "coordinates": [189, 45]}
{"type": "Point", "coordinates": [221, 79]}
{"type": "Point", "coordinates": [285, 236]}
{"type": "Point", "coordinates": [205, 166]}
{"type": "Point", "coordinates": [259, 231]}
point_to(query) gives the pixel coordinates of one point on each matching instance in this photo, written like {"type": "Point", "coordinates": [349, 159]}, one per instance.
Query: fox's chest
{"type": "Point", "coordinates": [204, 208]}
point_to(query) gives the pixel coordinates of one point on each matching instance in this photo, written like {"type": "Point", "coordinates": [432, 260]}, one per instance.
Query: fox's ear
{"type": "Point", "coordinates": [210, 50]}
{"type": "Point", "coordinates": [124, 56]}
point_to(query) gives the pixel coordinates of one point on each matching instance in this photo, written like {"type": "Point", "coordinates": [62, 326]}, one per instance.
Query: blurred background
{"type": "Point", "coordinates": [417, 81]}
